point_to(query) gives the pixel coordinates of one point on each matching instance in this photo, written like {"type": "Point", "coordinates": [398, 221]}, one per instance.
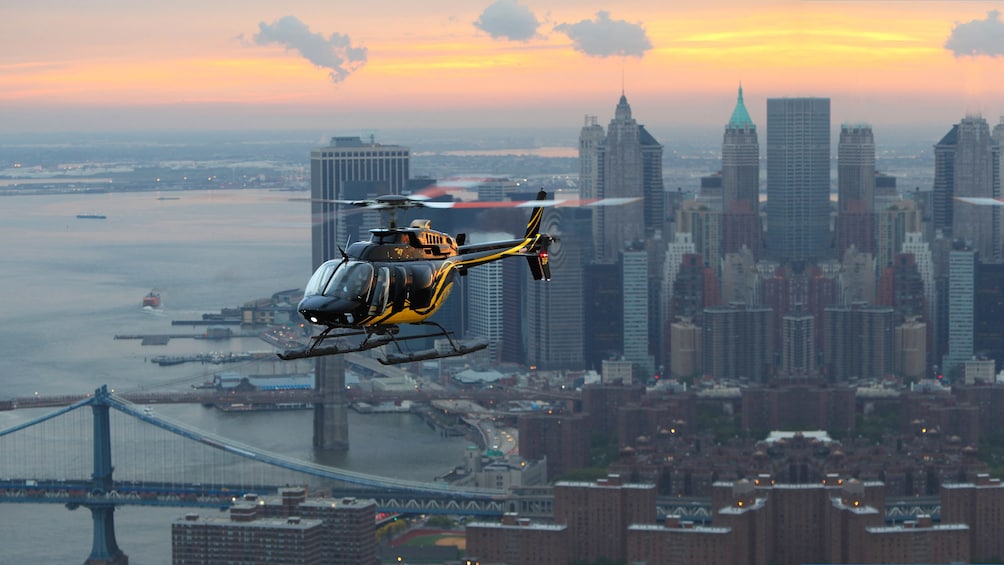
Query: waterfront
{"type": "Point", "coordinates": [70, 285]}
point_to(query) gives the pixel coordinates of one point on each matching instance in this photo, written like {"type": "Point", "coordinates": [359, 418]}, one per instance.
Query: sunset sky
{"type": "Point", "coordinates": [254, 64]}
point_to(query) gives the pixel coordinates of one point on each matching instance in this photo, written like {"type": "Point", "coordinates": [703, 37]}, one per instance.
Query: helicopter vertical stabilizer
{"type": "Point", "coordinates": [539, 267]}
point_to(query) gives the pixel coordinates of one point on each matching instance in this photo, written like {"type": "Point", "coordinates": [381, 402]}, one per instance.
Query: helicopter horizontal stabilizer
{"type": "Point", "coordinates": [427, 354]}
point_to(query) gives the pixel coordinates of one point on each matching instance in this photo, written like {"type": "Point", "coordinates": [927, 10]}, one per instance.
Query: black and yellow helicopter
{"type": "Point", "coordinates": [402, 275]}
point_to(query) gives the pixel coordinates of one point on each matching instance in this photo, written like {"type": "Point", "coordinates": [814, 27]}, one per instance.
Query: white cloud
{"type": "Point", "coordinates": [604, 37]}
{"type": "Point", "coordinates": [978, 37]}
{"type": "Point", "coordinates": [334, 52]}
{"type": "Point", "coordinates": [508, 19]}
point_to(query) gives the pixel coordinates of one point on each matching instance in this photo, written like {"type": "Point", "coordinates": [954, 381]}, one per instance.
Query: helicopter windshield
{"type": "Point", "coordinates": [337, 279]}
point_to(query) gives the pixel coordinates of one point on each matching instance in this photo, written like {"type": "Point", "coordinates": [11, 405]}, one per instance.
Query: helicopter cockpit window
{"type": "Point", "coordinates": [320, 278]}
{"type": "Point", "coordinates": [351, 282]}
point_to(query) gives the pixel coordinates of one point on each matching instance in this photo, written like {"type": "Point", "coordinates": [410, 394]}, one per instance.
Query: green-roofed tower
{"type": "Point", "coordinates": [740, 117]}
{"type": "Point", "coordinates": [740, 182]}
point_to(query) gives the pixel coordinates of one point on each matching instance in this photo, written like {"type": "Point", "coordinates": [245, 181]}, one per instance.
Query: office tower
{"type": "Point", "coordinates": [855, 188]}
{"type": "Point", "coordinates": [910, 349]}
{"type": "Point", "coordinates": [858, 342]}
{"type": "Point", "coordinates": [798, 179]}
{"type": "Point", "coordinates": [740, 158]}
{"type": "Point", "coordinates": [702, 219]}
{"type": "Point", "coordinates": [484, 286]}
{"type": "Point", "coordinates": [967, 163]}
{"type": "Point", "coordinates": [893, 220]}
{"type": "Point", "coordinates": [988, 320]}
{"type": "Point", "coordinates": [346, 168]}
{"type": "Point", "coordinates": [737, 342]}
{"type": "Point", "coordinates": [553, 310]}
{"type": "Point", "coordinates": [682, 244]}
{"type": "Point", "coordinates": [627, 163]}
{"type": "Point", "coordinates": [590, 141]}
{"type": "Point", "coordinates": [739, 277]}
{"type": "Point", "coordinates": [914, 244]}
{"type": "Point", "coordinates": [857, 277]}
{"type": "Point", "coordinates": [740, 182]}
{"type": "Point", "coordinates": [695, 288]}
{"type": "Point", "coordinates": [961, 292]}
{"type": "Point", "coordinates": [350, 169]}
{"type": "Point", "coordinates": [513, 280]}
{"type": "Point", "coordinates": [901, 287]}
{"type": "Point", "coordinates": [604, 313]}
{"type": "Point", "coordinates": [798, 351]}
{"type": "Point", "coordinates": [635, 344]}
{"type": "Point", "coordinates": [685, 350]}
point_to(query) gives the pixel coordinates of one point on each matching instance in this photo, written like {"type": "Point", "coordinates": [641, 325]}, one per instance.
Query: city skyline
{"type": "Point", "coordinates": [121, 66]}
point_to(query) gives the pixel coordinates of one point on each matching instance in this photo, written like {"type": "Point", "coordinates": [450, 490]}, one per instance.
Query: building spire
{"type": "Point", "coordinates": [740, 117]}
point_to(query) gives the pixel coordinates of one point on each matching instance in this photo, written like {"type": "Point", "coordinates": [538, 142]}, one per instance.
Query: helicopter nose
{"type": "Point", "coordinates": [325, 310]}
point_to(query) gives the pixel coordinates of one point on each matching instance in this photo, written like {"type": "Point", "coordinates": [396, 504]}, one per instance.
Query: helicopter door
{"type": "Point", "coordinates": [378, 300]}
{"type": "Point", "coordinates": [398, 288]}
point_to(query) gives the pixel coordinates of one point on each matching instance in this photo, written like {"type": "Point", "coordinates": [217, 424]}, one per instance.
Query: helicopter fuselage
{"type": "Point", "coordinates": [400, 276]}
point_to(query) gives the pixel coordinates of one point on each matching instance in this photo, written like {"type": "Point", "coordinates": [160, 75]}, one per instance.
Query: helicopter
{"type": "Point", "coordinates": [402, 276]}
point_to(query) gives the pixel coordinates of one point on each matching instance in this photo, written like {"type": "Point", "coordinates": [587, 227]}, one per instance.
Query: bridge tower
{"type": "Point", "coordinates": [331, 415]}
{"type": "Point", "coordinates": [104, 548]}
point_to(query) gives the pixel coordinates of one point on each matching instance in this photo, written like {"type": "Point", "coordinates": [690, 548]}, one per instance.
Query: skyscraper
{"type": "Point", "coordinates": [967, 163]}
{"type": "Point", "coordinates": [346, 168]}
{"type": "Point", "coordinates": [626, 163]}
{"type": "Point", "coordinates": [485, 298]}
{"type": "Point", "coordinates": [961, 292]}
{"type": "Point", "coordinates": [634, 272]}
{"type": "Point", "coordinates": [740, 182]}
{"type": "Point", "coordinates": [856, 189]}
{"type": "Point", "coordinates": [798, 179]}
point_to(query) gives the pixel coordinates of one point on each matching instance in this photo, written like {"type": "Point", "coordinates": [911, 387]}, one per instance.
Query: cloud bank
{"type": "Point", "coordinates": [604, 37]}
{"type": "Point", "coordinates": [508, 19]}
{"type": "Point", "coordinates": [978, 37]}
{"type": "Point", "coordinates": [334, 52]}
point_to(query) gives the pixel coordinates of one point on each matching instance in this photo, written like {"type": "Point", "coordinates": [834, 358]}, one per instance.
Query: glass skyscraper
{"type": "Point", "coordinates": [798, 179]}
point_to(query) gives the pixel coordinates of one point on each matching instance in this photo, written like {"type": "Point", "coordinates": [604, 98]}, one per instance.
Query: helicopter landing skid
{"type": "Point", "coordinates": [458, 349]}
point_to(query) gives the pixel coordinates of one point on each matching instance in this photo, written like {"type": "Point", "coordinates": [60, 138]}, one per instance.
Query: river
{"type": "Point", "coordinates": [70, 285]}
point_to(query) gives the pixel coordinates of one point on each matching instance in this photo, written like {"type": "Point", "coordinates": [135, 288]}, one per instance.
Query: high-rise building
{"type": "Point", "coordinates": [702, 219]}
{"type": "Point", "coordinates": [798, 351]}
{"type": "Point", "coordinates": [242, 537]}
{"type": "Point", "coordinates": [740, 182]}
{"type": "Point", "coordinates": [604, 318]}
{"type": "Point", "coordinates": [967, 163]}
{"type": "Point", "coordinates": [635, 336]}
{"type": "Point", "coordinates": [484, 286]}
{"type": "Point", "coordinates": [893, 220]}
{"type": "Point", "coordinates": [798, 179]}
{"type": "Point", "coordinates": [737, 342]}
{"type": "Point", "coordinates": [553, 312]}
{"type": "Point", "coordinates": [858, 341]}
{"type": "Point", "coordinates": [626, 163]}
{"type": "Point", "coordinates": [350, 169]}
{"type": "Point", "coordinates": [988, 320]}
{"type": "Point", "coordinates": [855, 188]}
{"type": "Point", "coordinates": [961, 292]}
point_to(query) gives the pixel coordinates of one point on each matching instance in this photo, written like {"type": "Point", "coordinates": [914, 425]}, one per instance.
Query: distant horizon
{"type": "Point", "coordinates": [194, 65]}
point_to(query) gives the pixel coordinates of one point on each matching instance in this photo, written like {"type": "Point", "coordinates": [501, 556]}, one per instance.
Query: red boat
{"type": "Point", "coordinates": [152, 299]}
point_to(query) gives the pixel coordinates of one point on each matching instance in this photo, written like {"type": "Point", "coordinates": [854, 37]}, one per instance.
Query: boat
{"type": "Point", "coordinates": [91, 216]}
{"type": "Point", "coordinates": [152, 299]}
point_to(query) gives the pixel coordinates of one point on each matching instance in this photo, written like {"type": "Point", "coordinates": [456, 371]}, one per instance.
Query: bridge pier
{"type": "Point", "coordinates": [104, 549]}
{"type": "Point", "coordinates": [331, 414]}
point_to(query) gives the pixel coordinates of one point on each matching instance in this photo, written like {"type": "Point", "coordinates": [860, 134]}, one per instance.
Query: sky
{"type": "Point", "coordinates": [120, 65]}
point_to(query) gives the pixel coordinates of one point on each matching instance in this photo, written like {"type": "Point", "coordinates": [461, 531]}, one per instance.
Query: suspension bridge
{"type": "Point", "coordinates": [66, 457]}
